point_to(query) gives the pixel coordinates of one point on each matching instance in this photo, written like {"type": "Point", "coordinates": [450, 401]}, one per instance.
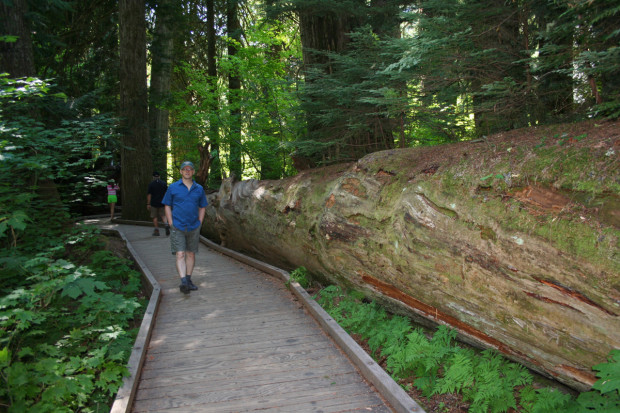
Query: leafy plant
{"type": "Point", "coordinates": [66, 333]}
{"type": "Point", "coordinates": [67, 306]}
{"type": "Point", "coordinates": [300, 276]}
{"type": "Point", "coordinates": [436, 364]}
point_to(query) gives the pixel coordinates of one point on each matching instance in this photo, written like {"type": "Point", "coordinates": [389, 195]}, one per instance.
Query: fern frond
{"type": "Point", "coordinates": [544, 400]}
{"type": "Point", "coordinates": [458, 374]}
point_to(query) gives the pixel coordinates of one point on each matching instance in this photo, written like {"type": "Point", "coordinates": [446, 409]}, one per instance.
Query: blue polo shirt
{"type": "Point", "coordinates": [185, 204]}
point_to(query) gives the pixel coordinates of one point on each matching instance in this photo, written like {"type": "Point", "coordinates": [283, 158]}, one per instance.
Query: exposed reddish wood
{"type": "Point", "coordinates": [550, 301]}
{"type": "Point", "coordinates": [575, 294]}
{"type": "Point", "coordinates": [289, 208]}
{"type": "Point", "coordinates": [353, 186]}
{"type": "Point", "coordinates": [430, 170]}
{"type": "Point", "coordinates": [381, 172]}
{"type": "Point", "coordinates": [440, 317]}
{"type": "Point", "coordinates": [342, 230]}
{"type": "Point", "coordinates": [545, 199]}
{"type": "Point", "coordinates": [581, 375]}
{"type": "Point", "coordinates": [437, 315]}
{"type": "Point", "coordinates": [330, 201]}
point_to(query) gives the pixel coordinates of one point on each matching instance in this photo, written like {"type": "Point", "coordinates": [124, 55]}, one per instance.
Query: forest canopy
{"type": "Point", "coordinates": [263, 89]}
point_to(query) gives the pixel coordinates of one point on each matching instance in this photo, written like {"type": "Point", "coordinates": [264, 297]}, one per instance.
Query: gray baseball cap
{"type": "Point", "coordinates": [187, 163]}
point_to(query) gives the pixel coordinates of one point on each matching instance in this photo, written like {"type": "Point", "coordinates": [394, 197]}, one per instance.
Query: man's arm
{"type": "Point", "coordinates": [168, 214]}
{"type": "Point", "coordinates": [201, 214]}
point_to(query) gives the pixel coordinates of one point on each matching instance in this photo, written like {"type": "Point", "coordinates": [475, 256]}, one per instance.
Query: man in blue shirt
{"type": "Point", "coordinates": [185, 203]}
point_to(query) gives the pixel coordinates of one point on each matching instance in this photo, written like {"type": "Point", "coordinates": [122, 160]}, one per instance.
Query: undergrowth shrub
{"type": "Point", "coordinates": [300, 275]}
{"type": "Point", "coordinates": [66, 325]}
{"type": "Point", "coordinates": [438, 365]}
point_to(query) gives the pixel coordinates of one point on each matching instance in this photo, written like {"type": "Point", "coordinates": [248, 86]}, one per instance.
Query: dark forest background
{"type": "Point", "coordinates": [262, 89]}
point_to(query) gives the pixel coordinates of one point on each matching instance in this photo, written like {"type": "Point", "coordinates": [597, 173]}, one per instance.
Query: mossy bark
{"type": "Point", "coordinates": [490, 238]}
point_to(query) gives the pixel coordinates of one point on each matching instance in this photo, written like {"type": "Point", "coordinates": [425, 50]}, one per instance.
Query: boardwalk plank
{"type": "Point", "coordinates": [325, 365]}
{"type": "Point", "coordinates": [262, 397]}
{"type": "Point", "coordinates": [288, 386]}
{"type": "Point", "coordinates": [234, 379]}
{"type": "Point", "coordinates": [249, 347]}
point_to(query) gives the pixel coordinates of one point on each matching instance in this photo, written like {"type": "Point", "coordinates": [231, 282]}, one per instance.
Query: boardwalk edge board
{"type": "Point", "coordinates": [125, 395]}
{"type": "Point", "coordinates": [399, 400]}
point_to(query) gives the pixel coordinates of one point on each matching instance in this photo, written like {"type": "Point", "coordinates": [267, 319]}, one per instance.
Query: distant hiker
{"type": "Point", "coordinates": [155, 194]}
{"type": "Point", "coordinates": [185, 202]}
{"type": "Point", "coordinates": [112, 188]}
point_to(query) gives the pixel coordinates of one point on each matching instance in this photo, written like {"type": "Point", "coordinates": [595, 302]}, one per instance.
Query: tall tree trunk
{"type": "Point", "coordinates": [215, 174]}
{"type": "Point", "coordinates": [324, 33]}
{"type": "Point", "coordinates": [17, 57]}
{"type": "Point", "coordinates": [161, 71]}
{"type": "Point", "coordinates": [136, 161]}
{"type": "Point", "coordinates": [234, 87]}
{"type": "Point", "coordinates": [498, 29]}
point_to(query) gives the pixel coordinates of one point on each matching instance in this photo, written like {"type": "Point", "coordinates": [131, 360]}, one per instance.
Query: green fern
{"type": "Point", "coordinates": [398, 328]}
{"type": "Point", "coordinates": [327, 297]}
{"type": "Point", "coordinates": [459, 373]}
{"type": "Point", "coordinates": [544, 400]}
{"type": "Point", "coordinates": [438, 365]}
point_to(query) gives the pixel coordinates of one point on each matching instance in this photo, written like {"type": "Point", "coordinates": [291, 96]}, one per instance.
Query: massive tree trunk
{"type": "Point", "coordinates": [498, 30]}
{"type": "Point", "coordinates": [161, 72]}
{"type": "Point", "coordinates": [136, 162]}
{"type": "Point", "coordinates": [234, 89]}
{"type": "Point", "coordinates": [215, 174]}
{"type": "Point", "coordinates": [16, 58]}
{"type": "Point", "coordinates": [498, 239]}
{"type": "Point", "coordinates": [325, 32]}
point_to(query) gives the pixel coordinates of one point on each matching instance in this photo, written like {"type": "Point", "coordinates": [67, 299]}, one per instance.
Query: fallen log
{"type": "Point", "coordinates": [512, 243]}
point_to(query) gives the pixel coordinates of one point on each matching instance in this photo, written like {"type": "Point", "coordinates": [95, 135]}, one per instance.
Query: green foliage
{"type": "Point", "coordinates": [609, 374]}
{"type": "Point", "coordinates": [544, 400]}
{"type": "Point", "coordinates": [270, 118]}
{"type": "Point", "coordinates": [65, 317]}
{"type": "Point", "coordinates": [66, 329]}
{"type": "Point", "coordinates": [605, 394]}
{"type": "Point", "coordinates": [300, 275]}
{"type": "Point", "coordinates": [437, 365]}
{"type": "Point", "coordinates": [47, 171]}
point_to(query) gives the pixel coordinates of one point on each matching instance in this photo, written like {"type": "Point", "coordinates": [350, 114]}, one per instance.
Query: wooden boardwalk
{"type": "Point", "coordinates": [242, 342]}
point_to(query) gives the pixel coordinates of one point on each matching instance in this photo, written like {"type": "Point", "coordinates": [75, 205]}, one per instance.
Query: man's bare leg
{"type": "Point", "coordinates": [181, 267]}
{"type": "Point", "coordinates": [190, 259]}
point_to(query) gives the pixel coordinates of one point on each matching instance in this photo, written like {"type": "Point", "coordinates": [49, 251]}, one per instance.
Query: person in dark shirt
{"type": "Point", "coordinates": [155, 194]}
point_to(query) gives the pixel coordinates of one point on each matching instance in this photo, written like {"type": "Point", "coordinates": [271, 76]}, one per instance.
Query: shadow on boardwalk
{"type": "Point", "coordinates": [244, 342]}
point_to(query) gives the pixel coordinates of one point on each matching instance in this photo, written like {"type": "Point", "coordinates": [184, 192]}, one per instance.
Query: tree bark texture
{"type": "Point", "coordinates": [490, 238]}
{"type": "Point", "coordinates": [17, 58]}
{"type": "Point", "coordinates": [234, 88]}
{"type": "Point", "coordinates": [161, 72]}
{"type": "Point", "coordinates": [136, 162]}
{"type": "Point", "coordinates": [215, 175]}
